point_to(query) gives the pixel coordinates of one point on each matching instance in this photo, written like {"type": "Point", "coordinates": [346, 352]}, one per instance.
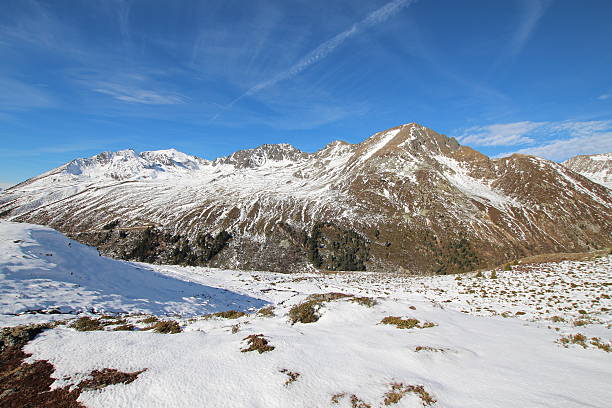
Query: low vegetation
{"type": "Point", "coordinates": [108, 376]}
{"type": "Point", "coordinates": [355, 401]}
{"type": "Point", "coordinates": [406, 323]}
{"type": "Point", "coordinates": [307, 311]}
{"type": "Point", "coordinates": [365, 301]}
{"type": "Point", "coordinates": [267, 311]}
{"type": "Point", "coordinates": [585, 342]}
{"type": "Point", "coordinates": [29, 384]}
{"type": "Point", "coordinates": [430, 349]}
{"type": "Point", "coordinates": [124, 327]}
{"type": "Point", "coordinates": [257, 342]}
{"type": "Point", "coordinates": [399, 390]}
{"type": "Point", "coordinates": [18, 336]}
{"type": "Point", "coordinates": [228, 314]}
{"type": "Point", "coordinates": [292, 376]}
{"type": "Point", "coordinates": [165, 327]}
{"type": "Point", "coordinates": [149, 320]}
{"type": "Point", "coordinates": [86, 323]}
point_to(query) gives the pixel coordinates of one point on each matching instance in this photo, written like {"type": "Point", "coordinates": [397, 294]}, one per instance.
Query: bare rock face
{"type": "Point", "coordinates": [406, 199]}
{"type": "Point", "coordinates": [596, 167]}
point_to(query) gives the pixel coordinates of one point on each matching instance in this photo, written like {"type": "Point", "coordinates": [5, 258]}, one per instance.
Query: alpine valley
{"type": "Point", "coordinates": [406, 199]}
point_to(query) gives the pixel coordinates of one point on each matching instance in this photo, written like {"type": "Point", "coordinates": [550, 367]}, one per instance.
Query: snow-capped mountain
{"type": "Point", "coordinates": [406, 199]}
{"type": "Point", "coordinates": [597, 167]}
{"type": "Point", "coordinates": [129, 165]}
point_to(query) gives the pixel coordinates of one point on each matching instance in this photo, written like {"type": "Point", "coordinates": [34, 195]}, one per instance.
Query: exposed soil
{"type": "Point", "coordinates": [28, 385]}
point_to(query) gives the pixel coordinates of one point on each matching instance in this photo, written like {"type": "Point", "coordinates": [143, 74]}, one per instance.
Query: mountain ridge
{"type": "Point", "coordinates": [404, 199]}
{"type": "Point", "coordinates": [596, 167]}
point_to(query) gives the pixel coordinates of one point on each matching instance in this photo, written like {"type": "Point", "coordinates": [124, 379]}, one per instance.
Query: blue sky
{"type": "Point", "coordinates": [212, 77]}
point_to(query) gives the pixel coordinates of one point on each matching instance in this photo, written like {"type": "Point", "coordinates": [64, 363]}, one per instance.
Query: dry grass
{"type": "Point", "coordinates": [399, 390]}
{"type": "Point", "coordinates": [228, 314]}
{"type": "Point", "coordinates": [165, 327]}
{"type": "Point", "coordinates": [427, 348]}
{"type": "Point", "coordinates": [86, 323]}
{"type": "Point", "coordinates": [365, 301]}
{"type": "Point", "coordinates": [108, 376]}
{"type": "Point", "coordinates": [563, 256]}
{"type": "Point", "coordinates": [18, 336]}
{"type": "Point", "coordinates": [267, 311]}
{"type": "Point", "coordinates": [583, 341]}
{"type": "Point", "coordinates": [607, 347]}
{"type": "Point", "coordinates": [124, 327]}
{"type": "Point", "coordinates": [335, 399]}
{"type": "Point", "coordinates": [578, 338]}
{"type": "Point", "coordinates": [306, 312]}
{"type": "Point", "coordinates": [149, 320]}
{"type": "Point", "coordinates": [406, 323]}
{"type": "Point", "coordinates": [358, 403]}
{"type": "Point", "coordinates": [355, 401]}
{"type": "Point", "coordinates": [293, 376]}
{"type": "Point", "coordinates": [29, 385]}
{"type": "Point", "coordinates": [257, 342]}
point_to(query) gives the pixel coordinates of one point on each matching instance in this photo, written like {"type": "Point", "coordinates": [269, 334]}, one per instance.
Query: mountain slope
{"type": "Point", "coordinates": [406, 199]}
{"type": "Point", "coordinates": [40, 269]}
{"type": "Point", "coordinates": [596, 167]}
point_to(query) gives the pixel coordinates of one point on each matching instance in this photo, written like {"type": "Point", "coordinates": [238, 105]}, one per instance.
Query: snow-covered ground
{"type": "Point", "coordinates": [42, 269]}
{"type": "Point", "coordinates": [491, 341]}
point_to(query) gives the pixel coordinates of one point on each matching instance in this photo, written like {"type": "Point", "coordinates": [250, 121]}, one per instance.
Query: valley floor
{"type": "Point", "coordinates": [533, 336]}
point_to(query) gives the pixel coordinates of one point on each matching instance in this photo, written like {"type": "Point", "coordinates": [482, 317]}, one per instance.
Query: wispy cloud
{"type": "Point", "coordinates": [603, 97]}
{"type": "Point", "coordinates": [532, 12]}
{"type": "Point", "coordinates": [81, 146]}
{"type": "Point", "coordinates": [503, 134]}
{"type": "Point", "coordinates": [131, 94]}
{"type": "Point", "coordinates": [326, 48]}
{"type": "Point", "coordinates": [18, 95]}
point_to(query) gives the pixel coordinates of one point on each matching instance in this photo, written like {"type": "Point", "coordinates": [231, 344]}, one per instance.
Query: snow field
{"type": "Point", "coordinates": [493, 343]}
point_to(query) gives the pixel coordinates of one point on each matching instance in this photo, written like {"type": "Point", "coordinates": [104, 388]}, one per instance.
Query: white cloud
{"type": "Point", "coordinates": [562, 149]}
{"type": "Point", "coordinates": [502, 134]}
{"type": "Point", "coordinates": [603, 97]}
{"type": "Point", "coordinates": [562, 140]}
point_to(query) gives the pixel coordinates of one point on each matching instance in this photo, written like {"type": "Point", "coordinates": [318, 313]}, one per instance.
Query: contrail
{"type": "Point", "coordinates": [376, 17]}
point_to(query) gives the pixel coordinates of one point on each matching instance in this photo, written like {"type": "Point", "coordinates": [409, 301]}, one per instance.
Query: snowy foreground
{"type": "Point", "coordinates": [476, 341]}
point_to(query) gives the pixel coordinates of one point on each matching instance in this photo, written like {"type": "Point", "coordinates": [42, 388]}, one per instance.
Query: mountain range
{"type": "Point", "coordinates": [597, 167]}
{"type": "Point", "coordinates": [407, 199]}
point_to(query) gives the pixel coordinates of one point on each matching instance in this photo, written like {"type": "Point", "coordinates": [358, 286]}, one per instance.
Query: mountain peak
{"type": "Point", "coordinates": [128, 164]}
{"type": "Point", "coordinates": [411, 137]}
{"type": "Point", "coordinates": [264, 155]}
{"type": "Point", "coordinates": [596, 167]}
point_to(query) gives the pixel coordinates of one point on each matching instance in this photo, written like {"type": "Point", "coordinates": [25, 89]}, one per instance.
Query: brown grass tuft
{"type": "Point", "coordinates": [124, 327]}
{"type": "Point", "coordinates": [108, 376]}
{"type": "Point", "coordinates": [267, 311]}
{"type": "Point", "coordinates": [293, 376]}
{"type": "Point", "coordinates": [399, 390]}
{"type": "Point", "coordinates": [18, 336]}
{"type": "Point", "coordinates": [86, 323]}
{"type": "Point", "coordinates": [257, 342]}
{"type": "Point", "coordinates": [365, 301]}
{"type": "Point", "coordinates": [165, 327]}
{"type": "Point", "coordinates": [406, 323]}
{"type": "Point", "coordinates": [149, 320]}
{"type": "Point", "coordinates": [306, 312]}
